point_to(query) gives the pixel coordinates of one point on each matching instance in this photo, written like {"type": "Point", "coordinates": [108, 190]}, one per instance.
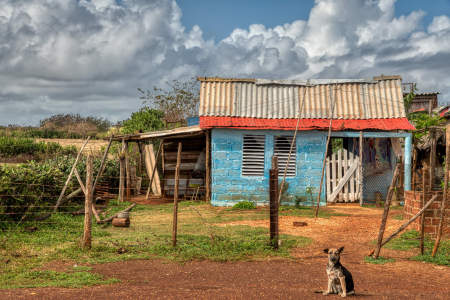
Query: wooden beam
{"type": "Point", "coordinates": [61, 195]}
{"type": "Point", "coordinates": [79, 180]}
{"type": "Point", "coordinates": [122, 172]}
{"type": "Point", "coordinates": [387, 205]}
{"type": "Point", "coordinates": [175, 197]}
{"type": "Point", "coordinates": [409, 221]}
{"type": "Point", "coordinates": [87, 238]}
{"type": "Point", "coordinates": [422, 217]}
{"type": "Point", "coordinates": [432, 157]}
{"type": "Point", "coordinates": [127, 172]}
{"type": "Point", "coordinates": [148, 164]}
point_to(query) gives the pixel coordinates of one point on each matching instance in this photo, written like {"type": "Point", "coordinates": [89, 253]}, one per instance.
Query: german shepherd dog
{"type": "Point", "coordinates": [340, 280]}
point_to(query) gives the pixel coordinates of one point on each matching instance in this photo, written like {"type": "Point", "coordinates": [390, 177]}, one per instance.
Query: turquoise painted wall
{"type": "Point", "coordinates": [229, 186]}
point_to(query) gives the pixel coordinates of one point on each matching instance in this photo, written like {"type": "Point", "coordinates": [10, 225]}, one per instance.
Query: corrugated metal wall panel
{"type": "Point", "coordinates": [353, 100]}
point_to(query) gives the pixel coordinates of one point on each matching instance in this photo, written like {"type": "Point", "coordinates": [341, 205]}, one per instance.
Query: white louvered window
{"type": "Point", "coordinates": [253, 148]}
{"type": "Point", "coordinates": [282, 145]}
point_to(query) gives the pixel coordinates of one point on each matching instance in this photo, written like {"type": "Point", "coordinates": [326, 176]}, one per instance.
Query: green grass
{"type": "Point", "coordinates": [378, 261]}
{"type": "Point", "coordinates": [200, 237]}
{"type": "Point", "coordinates": [52, 279]}
{"type": "Point", "coordinates": [411, 240]}
{"type": "Point", "coordinates": [244, 205]}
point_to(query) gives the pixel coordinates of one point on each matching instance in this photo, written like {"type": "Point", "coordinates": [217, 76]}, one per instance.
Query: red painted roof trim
{"type": "Point", "coordinates": [207, 122]}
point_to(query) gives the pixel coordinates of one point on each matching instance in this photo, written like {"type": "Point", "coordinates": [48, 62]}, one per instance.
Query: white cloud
{"type": "Point", "coordinates": [89, 56]}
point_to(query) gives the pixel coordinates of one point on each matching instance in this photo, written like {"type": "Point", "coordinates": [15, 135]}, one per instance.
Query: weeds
{"type": "Point", "coordinates": [378, 261]}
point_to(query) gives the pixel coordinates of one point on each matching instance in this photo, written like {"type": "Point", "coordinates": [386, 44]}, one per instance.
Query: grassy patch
{"type": "Point", "coordinates": [398, 217]}
{"type": "Point", "coordinates": [52, 278]}
{"type": "Point", "coordinates": [244, 205]}
{"type": "Point", "coordinates": [411, 240]}
{"type": "Point", "coordinates": [24, 255]}
{"type": "Point", "coordinates": [378, 261]}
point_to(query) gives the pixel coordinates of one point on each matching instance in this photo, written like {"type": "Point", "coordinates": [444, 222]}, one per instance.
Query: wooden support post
{"type": "Point", "coordinates": [387, 205]}
{"type": "Point", "coordinates": [414, 166]}
{"type": "Point", "coordinates": [87, 239]}
{"type": "Point", "coordinates": [127, 172]}
{"type": "Point", "coordinates": [102, 164]}
{"type": "Point", "coordinates": [316, 213]}
{"type": "Point", "coordinates": [61, 195]}
{"type": "Point", "coordinates": [208, 167]}
{"type": "Point", "coordinates": [361, 148]}
{"type": "Point", "coordinates": [175, 196]}
{"type": "Point", "coordinates": [273, 190]}
{"type": "Point", "coordinates": [77, 175]}
{"type": "Point", "coordinates": [122, 172]}
{"type": "Point", "coordinates": [432, 157]}
{"type": "Point", "coordinates": [409, 221]}
{"type": "Point", "coordinates": [152, 177]}
{"type": "Point", "coordinates": [422, 217]}
{"type": "Point", "coordinates": [445, 191]}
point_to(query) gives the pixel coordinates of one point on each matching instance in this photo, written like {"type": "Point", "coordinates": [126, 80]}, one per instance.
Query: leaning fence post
{"type": "Point", "coordinates": [175, 196]}
{"type": "Point", "coordinates": [87, 239]}
{"type": "Point", "coordinates": [422, 203]}
{"type": "Point", "coordinates": [273, 190]}
{"type": "Point", "coordinates": [387, 204]}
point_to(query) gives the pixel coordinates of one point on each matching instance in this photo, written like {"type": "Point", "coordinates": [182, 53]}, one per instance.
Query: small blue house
{"type": "Point", "coordinates": [251, 120]}
{"type": "Point", "coordinates": [243, 123]}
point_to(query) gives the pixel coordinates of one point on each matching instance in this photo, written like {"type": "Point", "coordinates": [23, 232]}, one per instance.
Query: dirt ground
{"type": "Point", "coordinates": [92, 145]}
{"type": "Point", "coordinates": [272, 279]}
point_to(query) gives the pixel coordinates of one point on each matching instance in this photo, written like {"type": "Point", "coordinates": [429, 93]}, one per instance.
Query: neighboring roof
{"type": "Point", "coordinates": [276, 99]}
{"type": "Point", "coordinates": [354, 99]}
{"type": "Point", "coordinates": [170, 133]}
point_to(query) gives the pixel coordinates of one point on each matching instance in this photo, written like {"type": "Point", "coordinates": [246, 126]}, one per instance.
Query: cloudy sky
{"type": "Point", "coordinates": [90, 56]}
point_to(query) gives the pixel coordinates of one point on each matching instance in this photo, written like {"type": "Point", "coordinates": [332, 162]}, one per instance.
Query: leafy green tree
{"type": "Point", "coordinates": [146, 119]}
{"type": "Point", "coordinates": [178, 101]}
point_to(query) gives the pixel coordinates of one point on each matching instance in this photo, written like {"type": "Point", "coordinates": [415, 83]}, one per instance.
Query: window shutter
{"type": "Point", "coordinates": [253, 151]}
{"type": "Point", "coordinates": [282, 145]}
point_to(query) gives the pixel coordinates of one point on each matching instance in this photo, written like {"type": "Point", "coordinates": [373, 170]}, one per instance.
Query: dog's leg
{"type": "Point", "coordinates": [344, 286]}
{"type": "Point", "coordinates": [328, 291]}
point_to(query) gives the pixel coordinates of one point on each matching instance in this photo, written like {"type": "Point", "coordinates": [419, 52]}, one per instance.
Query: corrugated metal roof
{"type": "Point", "coordinates": [256, 98]}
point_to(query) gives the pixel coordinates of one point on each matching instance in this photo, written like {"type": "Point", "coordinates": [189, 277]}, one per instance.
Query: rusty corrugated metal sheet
{"type": "Point", "coordinates": [378, 99]}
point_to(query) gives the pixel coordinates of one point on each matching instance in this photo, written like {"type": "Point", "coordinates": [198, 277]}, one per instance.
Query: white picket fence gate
{"type": "Point", "coordinates": [343, 177]}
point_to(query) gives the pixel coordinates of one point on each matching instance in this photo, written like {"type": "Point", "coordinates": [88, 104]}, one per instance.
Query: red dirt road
{"type": "Point", "coordinates": [150, 279]}
{"type": "Point", "coordinates": [272, 279]}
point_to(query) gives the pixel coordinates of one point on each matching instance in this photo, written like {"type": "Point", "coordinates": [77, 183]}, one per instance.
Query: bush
{"type": "Point", "coordinates": [33, 188]}
{"type": "Point", "coordinates": [244, 205]}
{"type": "Point", "coordinates": [12, 146]}
{"type": "Point", "coordinates": [144, 120]}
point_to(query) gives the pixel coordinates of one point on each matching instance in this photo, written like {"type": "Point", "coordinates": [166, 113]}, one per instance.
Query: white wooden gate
{"type": "Point", "coordinates": [343, 177]}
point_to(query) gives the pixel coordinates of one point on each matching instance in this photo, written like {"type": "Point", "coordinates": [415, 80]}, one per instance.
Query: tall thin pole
{"type": "Point", "coordinates": [175, 197]}
{"type": "Point", "coordinates": [316, 213]}
{"type": "Point", "coordinates": [361, 148]}
{"type": "Point", "coordinates": [87, 238]}
{"type": "Point", "coordinates": [294, 140]}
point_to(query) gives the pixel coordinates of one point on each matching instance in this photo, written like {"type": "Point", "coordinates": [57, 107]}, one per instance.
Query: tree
{"type": "Point", "coordinates": [146, 119]}
{"type": "Point", "coordinates": [179, 101]}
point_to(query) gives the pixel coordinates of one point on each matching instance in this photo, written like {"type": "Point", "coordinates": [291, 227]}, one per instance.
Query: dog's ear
{"type": "Point", "coordinates": [341, 249]}
{"type": "Point", "coordinates": [325, 250]}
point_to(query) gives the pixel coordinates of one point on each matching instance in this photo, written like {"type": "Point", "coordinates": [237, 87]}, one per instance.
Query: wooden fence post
{"type": "Point", "coordinates": [175, 196]}
{"type": "Point", "coordinates": [127, 171]}
{"type": "Point", "coordinates": [87, 239]}
{"type": "Point", "coordinates": [61, 195]}
{"type": "Point", "coordinates": [273, 190]}
{"type": "Point", "coordinates": [147, 158]}
{"type": "Point", "coordinates": [422, 217]}
{"type": "Point", "coordinates": [122, 173]}
{"type": "Point", "coordinates": [444, 192]}
{"type": "Point", "coordinates": [387, 205]}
